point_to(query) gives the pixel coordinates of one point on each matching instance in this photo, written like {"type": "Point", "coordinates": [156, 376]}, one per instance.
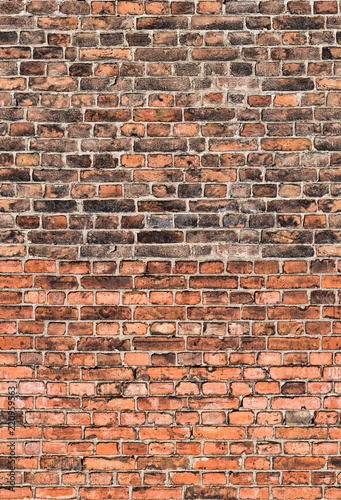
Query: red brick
{"type": "Point", "coordinates": [170, 238]}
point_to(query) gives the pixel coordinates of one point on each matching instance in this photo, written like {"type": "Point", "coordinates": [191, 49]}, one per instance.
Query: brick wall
{"type": "Point", "coordinates": [170, 249]}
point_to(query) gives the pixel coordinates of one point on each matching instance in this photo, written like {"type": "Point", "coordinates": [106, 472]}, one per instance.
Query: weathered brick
{"type": "Point", "coordinates": [170, 241]}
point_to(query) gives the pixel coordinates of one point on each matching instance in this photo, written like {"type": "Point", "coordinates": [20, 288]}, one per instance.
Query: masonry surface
{"type": "Point", "coordinates": [170, 249]}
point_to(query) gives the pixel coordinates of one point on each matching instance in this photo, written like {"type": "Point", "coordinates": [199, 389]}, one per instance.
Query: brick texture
{"type": "Point", "coordinates": [170, 243]}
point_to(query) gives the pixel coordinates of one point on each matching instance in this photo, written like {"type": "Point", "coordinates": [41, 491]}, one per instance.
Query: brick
{"type": "Point", "coordinates": [170, 242]}
{"type": "Point", "coordinates": [298, 417]}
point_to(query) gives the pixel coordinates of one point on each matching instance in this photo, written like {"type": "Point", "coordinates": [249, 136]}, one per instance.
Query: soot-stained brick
{"type": "Point", "coordinates": [170, 243]}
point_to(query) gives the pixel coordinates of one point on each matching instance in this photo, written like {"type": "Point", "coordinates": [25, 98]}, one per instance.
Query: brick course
{"type": "Point", "coordinates": [170, 243]}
